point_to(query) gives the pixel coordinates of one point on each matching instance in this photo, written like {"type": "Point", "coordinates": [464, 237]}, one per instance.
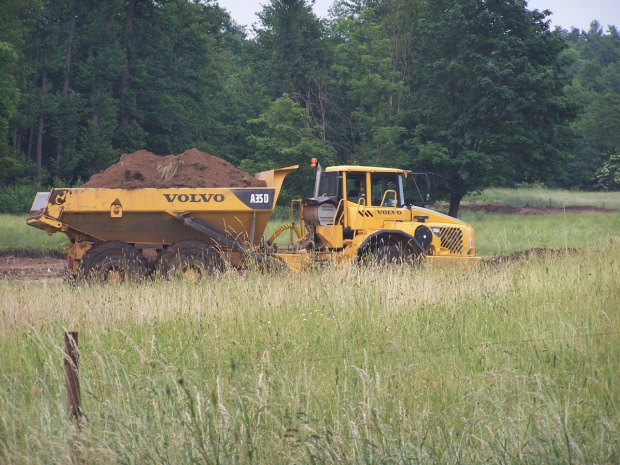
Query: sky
{"type": "Point", "coordinates": [566, 13]}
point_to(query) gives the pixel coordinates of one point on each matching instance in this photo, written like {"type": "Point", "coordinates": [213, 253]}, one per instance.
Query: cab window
{"type": "Point", "coordinates": [385, 190]}
{"type": "Point", "coordinates": [356, 187]}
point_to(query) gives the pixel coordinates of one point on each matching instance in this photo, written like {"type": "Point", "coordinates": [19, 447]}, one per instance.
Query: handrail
{"type": "Point", "coordinates": [342, 210]}
{"type": "Point", "coordinates": [385, 195]}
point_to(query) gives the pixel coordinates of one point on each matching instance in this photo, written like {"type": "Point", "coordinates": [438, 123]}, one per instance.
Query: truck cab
{"type": "Point", "coordinates": [374, 211]}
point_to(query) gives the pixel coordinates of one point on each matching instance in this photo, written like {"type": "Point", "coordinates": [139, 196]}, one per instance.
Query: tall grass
{"type": "Point", "coordinates": [504, 363]}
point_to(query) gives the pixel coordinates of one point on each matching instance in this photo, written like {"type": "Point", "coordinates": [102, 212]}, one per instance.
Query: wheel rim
{"type": "Point", "coordinates": [190, 273]}
{"type": "Point", "coordinates": [114, 274]}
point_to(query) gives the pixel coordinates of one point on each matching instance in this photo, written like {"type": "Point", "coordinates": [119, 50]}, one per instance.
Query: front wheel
{"type": "Point", "coordinates": [387, 254]}
{"type": "Point", "coordinates": [390, 253]}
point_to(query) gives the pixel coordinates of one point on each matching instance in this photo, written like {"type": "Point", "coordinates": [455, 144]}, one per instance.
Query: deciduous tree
{"type": "Point", "coordinates": [489, 103]}
{"type": "Point", "coordinates": [283, 136]}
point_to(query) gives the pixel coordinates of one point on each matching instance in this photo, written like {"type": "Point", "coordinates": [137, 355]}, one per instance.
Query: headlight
{"type": "Point", "coordinates": [423, 236]}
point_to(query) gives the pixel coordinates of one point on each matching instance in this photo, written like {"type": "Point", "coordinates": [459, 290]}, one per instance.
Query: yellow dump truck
{"type": "Point", "coordinates": [356, 213]}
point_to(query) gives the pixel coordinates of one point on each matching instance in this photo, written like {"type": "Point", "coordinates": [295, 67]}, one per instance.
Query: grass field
{"type": "Point", "coordinates": [16, 235]}
{"type": "Point", "coordinates": [507, 363]}
{"type": "Point", "coordinates": [540, 197]}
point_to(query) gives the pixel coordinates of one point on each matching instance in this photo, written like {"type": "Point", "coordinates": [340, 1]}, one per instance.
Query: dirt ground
{"type": "Point", "coordinates": [22, 268]}
{"type": "Point", "coordinates": [532, 210]}
{"type": "Point", "coordinates": [51, 269]}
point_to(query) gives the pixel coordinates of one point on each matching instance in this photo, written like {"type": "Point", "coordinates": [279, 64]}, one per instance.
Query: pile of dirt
{"type": "Point", "coordinates": [191, 168]}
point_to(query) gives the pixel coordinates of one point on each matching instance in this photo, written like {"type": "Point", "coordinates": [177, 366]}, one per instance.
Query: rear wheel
{"type": "Point", "coordinates": [190, 260]}
{"type": "Point", "coordinates": [114, 262]}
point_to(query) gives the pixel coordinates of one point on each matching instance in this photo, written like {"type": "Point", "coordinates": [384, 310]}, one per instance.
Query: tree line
{"type": "Point", "coordinates": [481, 93]}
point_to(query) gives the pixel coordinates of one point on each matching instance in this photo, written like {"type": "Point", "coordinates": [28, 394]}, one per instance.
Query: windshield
{"type": "Point", "coordinates": [385, 190]}
{"type": "Point", "coordinates": [416, 189]}
{"type": "Point", "coordinates": [328, 185]}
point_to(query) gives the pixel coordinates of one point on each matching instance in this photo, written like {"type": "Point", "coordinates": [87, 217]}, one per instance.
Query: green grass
{"type": "Point", "coordinates": [502, 364]}
{"type": "Point", "coordinates": [510, 363]}
{"type": "Point", "coordinates": [498, 234]}
{"type": "Point", "coordinates": [538, 196]}
{"type": "Point", "coordinates": [16, 235]}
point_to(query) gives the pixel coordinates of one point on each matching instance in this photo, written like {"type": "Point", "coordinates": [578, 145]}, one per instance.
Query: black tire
{"type": "Point", "coordinates": [382, 253]}
{"type": "Point", "coordinates": [274, 265]}
{"type": "Point", "coordinates": [114, 262]}
{"type": "Point", "coordinates": [191, 260]}
{"type": "Point", "coordinates": [387, 254]}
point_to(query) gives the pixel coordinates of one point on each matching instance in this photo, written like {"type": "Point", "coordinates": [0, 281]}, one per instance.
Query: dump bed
{"type": "Point", "coordinates": [147, 216]}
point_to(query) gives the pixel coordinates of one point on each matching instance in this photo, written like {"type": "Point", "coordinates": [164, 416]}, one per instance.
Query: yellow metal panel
{"type": "Point", "coordinates": [331, 235]}
{"type": "Point", "coordinates": [361, 169]}
{"type": "Point", "coordinates": [150, 200]}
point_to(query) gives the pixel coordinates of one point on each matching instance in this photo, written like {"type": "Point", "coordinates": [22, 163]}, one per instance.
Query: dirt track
{"type": "Point", "coordinates": [31, 269]}
{"type": "Point", "coordinates": [532, 210]}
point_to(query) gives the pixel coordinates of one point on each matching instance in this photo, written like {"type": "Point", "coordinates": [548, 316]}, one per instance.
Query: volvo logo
{"type": "Point", "coordinates": [195, 198]}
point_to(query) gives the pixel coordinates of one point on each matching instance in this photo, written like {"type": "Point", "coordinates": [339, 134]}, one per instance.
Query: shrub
{"type": "Point", "coordinates": [17, 199]}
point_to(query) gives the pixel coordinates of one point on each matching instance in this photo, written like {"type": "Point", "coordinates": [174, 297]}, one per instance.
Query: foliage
{"type": "Point", "coordinates": [596, 86]}
{"type": "Point", "coordinates": [132, 75]}
{"type": "Point", "coordinates": [474, 91]}
{"type": "Point", "coordinates": [17, 196]}
{"type": "Point", "coordinates": [372, 63]}
{"type": "Point", "coordinates": [283, 136]}
{"type": "Point", "coordinates": [608, 175]}
{"type": "Point", "coordinates": [9, 95]}
{"type": "Point", "coordinates": [288, 49]}
{"type": "Point", "coordinates": [490, 104]}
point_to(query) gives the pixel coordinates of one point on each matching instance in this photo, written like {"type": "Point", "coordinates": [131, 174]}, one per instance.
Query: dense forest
{"type": "Point", "coordinates": [481, 93]}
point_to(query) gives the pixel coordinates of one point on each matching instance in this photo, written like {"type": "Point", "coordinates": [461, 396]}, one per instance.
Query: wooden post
{"type": "Point", "coordinates": [72, 380]}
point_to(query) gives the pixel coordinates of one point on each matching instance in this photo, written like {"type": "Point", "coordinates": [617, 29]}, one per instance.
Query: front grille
{"type": "Point", "coordinates": [452, 239]}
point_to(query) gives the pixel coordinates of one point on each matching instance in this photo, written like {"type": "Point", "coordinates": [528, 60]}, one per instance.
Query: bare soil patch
{"type": "Point", "coordinates": [528, 209]}
{"type": "Point", "coordinates": [192, 168]}
{"type": "Point", "coordinates": [533, 253]}
{"type": "Point", "coordinates": [27, 268]}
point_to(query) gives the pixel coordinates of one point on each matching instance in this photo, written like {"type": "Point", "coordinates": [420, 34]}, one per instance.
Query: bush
{"type": "Point", "coordinates": [17, 199]}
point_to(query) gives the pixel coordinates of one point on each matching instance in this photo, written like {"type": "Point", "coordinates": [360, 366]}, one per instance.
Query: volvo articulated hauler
{"type": "Point", "coordinates": [356, 213]}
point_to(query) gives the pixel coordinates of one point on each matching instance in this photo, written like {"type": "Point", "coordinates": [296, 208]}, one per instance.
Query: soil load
{"type": "Point", "coordinates": [192, 168]}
